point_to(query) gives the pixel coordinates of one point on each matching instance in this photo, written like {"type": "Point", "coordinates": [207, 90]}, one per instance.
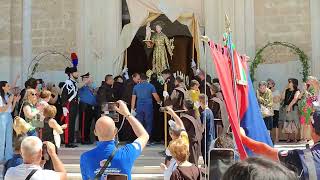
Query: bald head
{"type": "Point", "coordinates": [105, 129]}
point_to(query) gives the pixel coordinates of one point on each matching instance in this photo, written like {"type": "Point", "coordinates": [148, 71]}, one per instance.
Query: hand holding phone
{"type": "Point", "coordinates": [45, 155]}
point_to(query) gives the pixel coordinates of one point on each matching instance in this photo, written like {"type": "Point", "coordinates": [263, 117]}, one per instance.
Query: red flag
{"type": "Point", "coordinates": [224, 72]}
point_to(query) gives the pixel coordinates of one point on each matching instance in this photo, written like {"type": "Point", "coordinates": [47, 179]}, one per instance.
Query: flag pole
{"type": "Point", "coordinates": [231, 50]}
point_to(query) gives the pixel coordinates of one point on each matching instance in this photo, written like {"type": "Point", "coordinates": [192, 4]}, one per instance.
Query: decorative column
{"type": "Point", "coordinates": [211, 21]}
{"type": "Point", "coordinates": [249, 28]}
{"type": "Point", "coordinates": [241, 15]}
{"type": "Point", "coordinates": [26, 39]}
{"type": "Point", "coordinates": [315, 37]}
{"type": "Point", "coordinates": [101, 24]}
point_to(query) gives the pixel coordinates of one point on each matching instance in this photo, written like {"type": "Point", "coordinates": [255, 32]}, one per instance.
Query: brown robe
{"type": "Point", "coordinates": [194, 129]}
{"type": "Point", "coordinates": [176, 98]}
{"type": "Point", "coordinates": [186, 173]}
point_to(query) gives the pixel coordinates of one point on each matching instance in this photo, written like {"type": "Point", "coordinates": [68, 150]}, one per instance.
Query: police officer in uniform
{"type": "Point", "coordinates": [86, 108]}
{"type": "Point", "coordinates": [69, 101]}
{"type": "Point", "coordinates": [306, 163]}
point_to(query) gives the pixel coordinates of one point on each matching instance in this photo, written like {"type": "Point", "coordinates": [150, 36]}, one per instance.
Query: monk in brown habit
{"type": "Point", "coordinates": [177, 96]}
{"type": "Point", "coordinates": [194, 129]}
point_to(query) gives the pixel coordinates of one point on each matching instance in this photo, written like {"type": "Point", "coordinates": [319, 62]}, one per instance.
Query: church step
{"type": "Point", "coordinates": [77, 176]}
{"type": "Point", "coordinates": [75, 168]}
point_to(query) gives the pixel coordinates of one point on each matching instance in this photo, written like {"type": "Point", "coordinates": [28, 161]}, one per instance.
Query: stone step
{"type": "Point", "coordinates": [75, 168]}
{"type": "Point", "coordinates": [77, 176]}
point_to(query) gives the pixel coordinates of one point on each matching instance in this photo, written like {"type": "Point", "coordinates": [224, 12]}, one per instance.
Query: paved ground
{"type": "Point", "coordinates": [146, 167]}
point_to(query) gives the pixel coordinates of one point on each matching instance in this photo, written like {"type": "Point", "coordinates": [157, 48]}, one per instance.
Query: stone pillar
{"type": "Point", "coordinates": [26, 39]}
{"type": "Point", "coordinates": [211, 20]}
{"type": "Point", "coordinates": [241, 15]}
{"type": "Point", "coordinates": [249, 28]}
{"type": "Point", "coordinates": [315, 37]}
{"type": "Point", "coordinates": [101, 24]}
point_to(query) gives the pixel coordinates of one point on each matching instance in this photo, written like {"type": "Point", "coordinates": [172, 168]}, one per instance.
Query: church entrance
{"type": "Point", "coordinates": [139, 56]}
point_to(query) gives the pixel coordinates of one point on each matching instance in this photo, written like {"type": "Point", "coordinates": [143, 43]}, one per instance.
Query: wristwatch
{"type": "Point", "coordinates": [127, 116]}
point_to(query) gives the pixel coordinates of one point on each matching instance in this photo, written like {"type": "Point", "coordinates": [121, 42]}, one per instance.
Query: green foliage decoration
{"type": "Point", "coordinates": [296, 50]}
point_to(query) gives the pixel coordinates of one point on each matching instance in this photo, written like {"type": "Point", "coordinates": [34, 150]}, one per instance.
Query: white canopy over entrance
{"type": "Point", "coordinates": [143, 11]}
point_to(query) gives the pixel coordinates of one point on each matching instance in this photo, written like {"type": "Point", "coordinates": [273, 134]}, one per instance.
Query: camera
{"type": "Point", "coordinates": [108, 109]}
{"type": "Point", "coordinates": [45, 155]}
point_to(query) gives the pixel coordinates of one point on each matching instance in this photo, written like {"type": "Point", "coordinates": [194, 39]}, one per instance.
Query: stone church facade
{"type": "Point", "coordinates": [92, 28]}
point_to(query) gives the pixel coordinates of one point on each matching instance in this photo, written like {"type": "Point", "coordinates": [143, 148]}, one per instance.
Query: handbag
{"type": "Point", "coordinates": [20, 126]}
{"type": "Point", "coordinates": [266, 112]}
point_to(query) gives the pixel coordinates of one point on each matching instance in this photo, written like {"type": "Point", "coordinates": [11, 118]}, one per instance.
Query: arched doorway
{"type": "Point", "coordinates": [259, 58]}
{"type": "Point", "coordinates": [139, 57]}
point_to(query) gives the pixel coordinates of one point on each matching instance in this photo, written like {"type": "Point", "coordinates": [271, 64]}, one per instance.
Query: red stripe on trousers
{"type": "Point", "coordinates": [66, 132]}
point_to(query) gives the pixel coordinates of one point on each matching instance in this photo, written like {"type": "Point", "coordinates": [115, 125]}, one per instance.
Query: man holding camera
{"type": "Point", "coordinates": [94, 164]}
{"type": "Point", "coordinates": [32, 152]}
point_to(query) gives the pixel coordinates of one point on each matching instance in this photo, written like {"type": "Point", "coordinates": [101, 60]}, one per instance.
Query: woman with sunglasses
{"type": "Point", "coordinates": [31, 113]}
{"type": "Point", "coordinates": [7, 104]}
{"type": "Point", "coordinates": [290, 98]}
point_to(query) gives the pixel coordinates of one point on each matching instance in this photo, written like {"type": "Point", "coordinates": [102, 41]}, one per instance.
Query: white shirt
{"type": "Point", "coordinates": [9, 110]}
{"type": "Point", "coordinates": [172, 166]}
{"type": "Point", "coordinates": [23, 170]}
{"type": "Point", "coordinates": [276, 106]}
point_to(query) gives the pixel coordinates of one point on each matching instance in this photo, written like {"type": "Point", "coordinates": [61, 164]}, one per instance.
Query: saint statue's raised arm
{"type": "Point", "coordinates": [161, 45]}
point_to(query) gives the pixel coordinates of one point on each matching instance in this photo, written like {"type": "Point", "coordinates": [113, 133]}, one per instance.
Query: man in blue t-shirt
{"type": "Point", "coordinates": [144, 92]}
{"type": "Point", "coordinates": [92, 161]}
{"type": "Point", "coordinates": [207, 120]}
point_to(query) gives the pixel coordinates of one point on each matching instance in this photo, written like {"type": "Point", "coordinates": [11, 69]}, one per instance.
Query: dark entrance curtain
{"type": "Point", "coordinates": [140, 57]}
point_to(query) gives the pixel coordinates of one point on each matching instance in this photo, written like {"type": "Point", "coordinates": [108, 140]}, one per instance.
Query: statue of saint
{"type": "Point", "coordinates": [161, 45]}
{"type": "Point", "coordinates": [148, 32]}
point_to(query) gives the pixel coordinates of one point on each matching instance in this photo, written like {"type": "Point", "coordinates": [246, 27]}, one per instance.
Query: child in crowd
{"type": "Point", "coordinates": [193, 94]}
{"type": "Point", "coordinates": [52, 130]}
{"type": "Point", "coordinates": [45, 97]}
{"type": "Point", "coordinates": [176, 131]}
{"type": "Point", "coordinates": [17, 158]}
{"type": "Point", "coordinates": [185, 170]}
{"type": "Point", "coordinates": [194, 91]}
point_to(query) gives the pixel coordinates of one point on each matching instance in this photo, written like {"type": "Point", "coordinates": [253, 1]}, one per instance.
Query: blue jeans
{"type": "Point", "coordinates": [145, 115]}
{"type": "Point", "coordinates": [6, 150]}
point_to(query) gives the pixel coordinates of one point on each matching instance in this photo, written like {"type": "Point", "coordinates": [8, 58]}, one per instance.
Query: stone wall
{"type": "Point", "coordinates": [278, 20]}
{"type": "Point", "coordinates": [54, 27]}
{"type": "Point", "coordinates": [10, 38]}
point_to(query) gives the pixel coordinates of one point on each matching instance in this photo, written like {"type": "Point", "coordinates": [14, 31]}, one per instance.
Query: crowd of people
{"type": "Point", "coordinates": [289, 111]}
{"type": "Point", "coordinates": [42, 116]}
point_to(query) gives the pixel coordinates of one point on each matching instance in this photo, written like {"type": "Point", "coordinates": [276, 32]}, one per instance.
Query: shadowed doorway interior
{"type": "Point", "coordinates": [139, 57]}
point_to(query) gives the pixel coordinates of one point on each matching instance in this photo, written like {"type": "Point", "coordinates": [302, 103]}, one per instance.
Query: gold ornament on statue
{"type": "Point", "coordinates": [161, 46]}
{"type": "Point", "coordinates": [171, 44]}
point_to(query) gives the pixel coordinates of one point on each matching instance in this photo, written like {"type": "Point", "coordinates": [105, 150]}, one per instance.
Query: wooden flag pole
{"type": "Point", "coordinates": [165, 121]}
